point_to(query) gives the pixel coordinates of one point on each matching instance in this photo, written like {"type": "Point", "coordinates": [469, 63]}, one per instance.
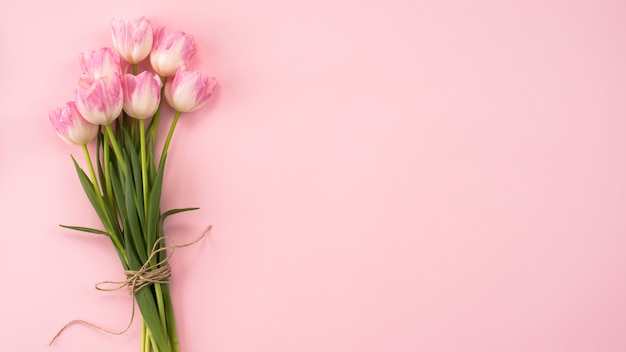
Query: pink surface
{"type": "Point", "coordinates": [381, 176]}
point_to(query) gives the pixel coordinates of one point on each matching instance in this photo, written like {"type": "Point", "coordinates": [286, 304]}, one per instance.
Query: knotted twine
{"type": "Point", "coordinates": [148, 274]}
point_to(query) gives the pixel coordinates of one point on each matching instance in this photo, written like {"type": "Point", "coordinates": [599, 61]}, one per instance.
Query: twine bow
{"type": "Point", "coordinates": [148, 274]}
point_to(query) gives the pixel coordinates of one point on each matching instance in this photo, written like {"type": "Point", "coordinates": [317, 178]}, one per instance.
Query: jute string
{"type": "Point", "coordinates": [148, 274]}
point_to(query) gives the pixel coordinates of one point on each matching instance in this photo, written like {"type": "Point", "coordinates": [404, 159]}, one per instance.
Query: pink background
{"type": "Point", "coordinates": [381, 176]}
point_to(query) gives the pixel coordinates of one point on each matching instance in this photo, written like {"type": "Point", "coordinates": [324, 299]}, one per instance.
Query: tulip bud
{"type": "Point", "coordinates": [189, 90]}
{"type": "Point", "coordinates": [71, 126]}
{"type": "Point", "coordinates": [99, 101]}
{"type": "Point", "coordinates": [99, 63]}
{"type": "Point", "coordinates": [132, 39]}
{"type": "Point", "coordinates": [142, 94]}
{"type": "Point", "coordinates": [170, 50]}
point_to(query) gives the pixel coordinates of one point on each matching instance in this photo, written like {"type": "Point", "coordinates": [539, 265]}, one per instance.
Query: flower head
{"type": "Point", "coordinates": [170, 50]}
{"type": "Point", "coordinates": [95, 64]}
{"type": "Point", "coordinates": [99, 101]}
{"type": "Point", "coordinates": [132, 39]}
{"type": "Point", "coordinates": [71, 126]}
{"type": "Point", "coordinates": [189, 90]}
{"type": "Point", "coordinates": [142, 94]}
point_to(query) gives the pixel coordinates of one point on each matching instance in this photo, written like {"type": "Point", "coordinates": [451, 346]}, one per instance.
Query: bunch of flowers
{"type": "Point", "coordinates": [120, 110]}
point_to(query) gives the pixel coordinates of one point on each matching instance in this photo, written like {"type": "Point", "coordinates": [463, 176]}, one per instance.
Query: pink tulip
{"type": "Point", "coordinates": [99, 63]}
{"type": "Point", "coordinates": [142, 94]}
{"type": "Point", "coordinates": [170, 50]}
{"type": "Point", "coordinates": [99, 101]}
{"type": "Point", "coordinates": [71, 126]}
{"type": "Point", "coordinates": [189, 90]}
{"type": "Point", "coordinates": [132, 39]}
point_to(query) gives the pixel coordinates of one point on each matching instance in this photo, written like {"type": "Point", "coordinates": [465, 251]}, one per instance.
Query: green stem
{"type": "Point", "coordinates": [169, 137]}
{"type": "Point", "coordinates": [144, 165]}
{"type": "Point", "coordinates": [145, 341]}
{"type": "Point", "coordinates": [134, 69]}
{"type": "Point", "coordinates": [171, 321]}
{"type": "Point", "coordinates": [116, 148]}
{"type": "Point", "coordinates": [94, 180]}
{"type": "Point", "coordinates": [154, 346]}
{"type": "Point", "coordinates": [159, 296]}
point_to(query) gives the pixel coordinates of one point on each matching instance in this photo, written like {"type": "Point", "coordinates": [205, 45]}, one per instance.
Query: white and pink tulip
{"type": "Point", "coordinates": [100, 101]}
{"type": "Point", "coordinates": [142, 94]}
{"type": "Point", "coordinates": [132, 39]}
{"type": "Point", "coordinates": [189, 90]}
{"type": "Point", "coordinates": [170, 50]}
{"type": "Point", "coordinates": [71, 126]}
{"type": "Point", "coordinates": [96, 64]}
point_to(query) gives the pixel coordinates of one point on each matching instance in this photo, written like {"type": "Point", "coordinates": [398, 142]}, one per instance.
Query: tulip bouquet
{"type": "Point", "coordinates": [121, 111]}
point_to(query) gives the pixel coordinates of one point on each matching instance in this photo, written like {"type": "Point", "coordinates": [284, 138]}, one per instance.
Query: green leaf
{"type": "Point", "coordinates": [88, 187]}
{"type": "Point", "coordinates": [162, 255]}
{"type": "Point", "coordinates": [131, 152]}
{"type": "Point", "coordinates": [154, 204]}
{"type": "Point", "coordinates": [171, 321]}
{"type": "Point", "coordinates": [151, 164]}
{"type": "Point", "coordinates": [104, 213]}
{"type": "Point", "coordinates": [132, 217]}
{"type": "Point", "coordinates": [98, 160]}
{"type": "Point", "coordinates": [171, 212]}
{"type": "Point", "coordinates": [86, 229]}
{"type": "Point", "coordinates": [112, 212]}
{"type": "Point", "coordinates": [118, 192]}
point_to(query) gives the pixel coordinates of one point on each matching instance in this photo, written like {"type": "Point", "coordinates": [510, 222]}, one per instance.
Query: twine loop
{"type": "Point", "coordinates": [149, 274]}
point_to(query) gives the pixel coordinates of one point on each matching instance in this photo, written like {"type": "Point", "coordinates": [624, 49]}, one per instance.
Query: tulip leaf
{"type": "Point", "coordinates": [169, 312]}
{"type": "Point", "coordinates": [164, 216]}
{"type": "Point", "coordinates": [118, 193]}
{"type": "Point", "coordinates": [112, 212]}
{"type": "Point", "coordinates": [172, 212]}
{"type": "Point", "coordinates": [98, 160]}
{"type": "Point", "coordinates": [85, 229]}
{"type": "Point", "coordinates": [151, 165]}
{"type": "Point", "coordinates": [154, 204]}
{"type": "Point", "coordinates": [131, 151]}
{"type": "Point", "coordinates": [131, 215]}
{"type": "Point", "coordinates": [88, 187]}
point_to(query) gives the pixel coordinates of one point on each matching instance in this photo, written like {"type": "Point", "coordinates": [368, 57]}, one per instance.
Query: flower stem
{"type": "Point", "coordinates": [135, 69]}
{"type": "Point", "coordinates": [159, 296]}
{"type": "Point", "coordinates": [116, 148]}
{"type": "Point", "coordinates": [169, 137]}
{"type": "Point", "coordinates": [151, 342]}
{"type": "Point", "coordinates": [171, 322]}
{"type": "Point", "coordinates": [96, 187]}
{"type": "Point", "coordinates": [145, 341]}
